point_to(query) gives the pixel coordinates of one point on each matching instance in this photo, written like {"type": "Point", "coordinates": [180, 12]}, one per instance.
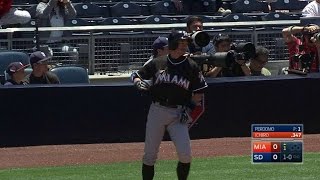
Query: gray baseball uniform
{"type": "Point", "coordinates": [174, 82]}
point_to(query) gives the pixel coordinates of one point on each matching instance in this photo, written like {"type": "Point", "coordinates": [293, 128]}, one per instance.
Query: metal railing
{"type": "Point", "coordinates": [122, 48]}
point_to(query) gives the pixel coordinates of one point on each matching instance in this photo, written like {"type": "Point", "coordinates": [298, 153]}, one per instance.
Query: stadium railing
{"type": "Point", "coordinates": [129, 46]}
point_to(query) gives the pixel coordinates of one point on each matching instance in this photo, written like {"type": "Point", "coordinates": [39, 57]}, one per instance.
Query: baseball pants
{"type": "Point", "coordinates": [161, 118]}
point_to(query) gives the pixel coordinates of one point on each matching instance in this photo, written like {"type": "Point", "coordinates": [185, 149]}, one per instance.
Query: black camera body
{"type": "Point", "coordinates": [241, 51]}
{"type": "Point", "coordinates": [304, 60]}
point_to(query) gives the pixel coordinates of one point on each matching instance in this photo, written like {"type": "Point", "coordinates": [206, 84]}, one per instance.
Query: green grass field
{"type": "Point", "coordinates": [201, 169]}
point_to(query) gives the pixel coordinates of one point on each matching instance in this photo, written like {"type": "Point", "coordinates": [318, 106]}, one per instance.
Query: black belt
{"type": "Point", "coordinates": [167, 104]}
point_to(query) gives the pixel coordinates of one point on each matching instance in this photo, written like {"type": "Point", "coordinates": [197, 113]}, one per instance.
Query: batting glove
{"type": "Point", "coordinates": [142, 85]}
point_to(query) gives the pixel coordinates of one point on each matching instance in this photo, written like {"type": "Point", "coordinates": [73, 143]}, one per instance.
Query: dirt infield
{"type": "Point", "coordinates": [58, 155]}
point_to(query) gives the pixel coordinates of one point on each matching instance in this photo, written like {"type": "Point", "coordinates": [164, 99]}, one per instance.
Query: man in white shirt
{"type": "Point", "coordinates": [312, 9]}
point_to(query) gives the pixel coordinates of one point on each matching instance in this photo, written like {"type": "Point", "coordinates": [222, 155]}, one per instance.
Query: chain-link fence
{"type": "Point", "coordinates": [124, 52]}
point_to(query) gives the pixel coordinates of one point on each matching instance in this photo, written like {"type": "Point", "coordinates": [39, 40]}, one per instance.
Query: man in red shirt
{"type": "Point", "coordinates": [306, 45]}
{"type": "Point", "coordinates": [10, 15]}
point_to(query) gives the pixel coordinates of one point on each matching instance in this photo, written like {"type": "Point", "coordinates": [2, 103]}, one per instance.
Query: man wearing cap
{"type": "Point", "coordinates": [160, 48]}
{"type": "Point", "coordinates": [16, 72]}
{"type": "Point", "coordinates": [40, 74]}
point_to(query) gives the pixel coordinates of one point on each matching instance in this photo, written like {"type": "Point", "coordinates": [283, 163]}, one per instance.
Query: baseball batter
{"type": "Point", "coordinates": [177, 87]}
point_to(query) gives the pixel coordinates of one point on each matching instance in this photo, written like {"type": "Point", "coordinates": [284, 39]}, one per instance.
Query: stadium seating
{"type": "Point", "coordinates": [278, 16]}
{"type": "Point", "coordinates": [204, 19]}
{"type": "Point", "coordinates": [88, 10]}
{"type": "Point", "coordinates": [125, 9]}
{"type": "Point", "coordinates": [236, 17]}
{"type": "Point", "coordinates": [163, 8]}
{"type": "Point", "coordinates": [248, 6]}
{"type": "Point", "coordinates": [290, 5]}
{"type": "Point", "coordinates": [78, 22]}
{"type": "Point", "coordinates": [207, 7]}
{"type": "Point", "coordinates": [71, 74]}
{"type": "Point", "coordinates": [156, 19]}
{"type": "Point", "coordinates": [115, 21]}
{"type": "Point", "coordinates": [7, 57]}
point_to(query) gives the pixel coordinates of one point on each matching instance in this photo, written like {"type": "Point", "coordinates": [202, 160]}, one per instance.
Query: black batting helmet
{"type": "Point", "coordinates": [174, 37]}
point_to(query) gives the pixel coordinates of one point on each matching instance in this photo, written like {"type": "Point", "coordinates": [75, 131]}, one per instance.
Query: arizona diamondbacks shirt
{"type": "Point", "coordinates": [174, 80]}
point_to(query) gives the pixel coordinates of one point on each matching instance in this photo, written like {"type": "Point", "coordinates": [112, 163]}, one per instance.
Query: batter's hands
{"type": "Point", "coordinates": [142, 85]}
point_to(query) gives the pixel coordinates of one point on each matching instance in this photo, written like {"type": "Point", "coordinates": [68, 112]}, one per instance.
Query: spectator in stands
{"type": "Point", "coordinates": [54, 13]}
{"type": "Point", "coordinates": [195, 23]}
{"type": "Point", "coordinates": [16, 72]}
{"type": "Point", "coordinates": [259, 61]}
{"type": "Point", "coordinates": [11, 16]}
{"type": "Point", "coordinates": [40, 74]}
{"type": "Point", "coordinates": [312, 9]}
{"type": "Point", "coordinates": [222, 43]}
{"type": "Point", "coordinates": [159, 48]}
{"type": "Point", "coordinates": [307, 44]}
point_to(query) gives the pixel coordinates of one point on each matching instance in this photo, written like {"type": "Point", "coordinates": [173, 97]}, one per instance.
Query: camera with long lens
{"type": "Point", "coordinates": [198, 40]}
{"type": "Point", "coordinates": [240, 51]}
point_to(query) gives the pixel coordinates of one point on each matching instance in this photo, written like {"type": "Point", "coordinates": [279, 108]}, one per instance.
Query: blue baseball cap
{"type": "Point", "coordinates": [38, 57]}
{"type": "Point", "coordinates": [15, 67]}
{"type": "Point", "coordinates": [160, 43]}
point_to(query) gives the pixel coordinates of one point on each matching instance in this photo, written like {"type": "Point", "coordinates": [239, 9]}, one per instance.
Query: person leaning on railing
{"type": "Point", "coordinates": [10, 16]}
{"type": "Point", "coordinates": [307, 44]}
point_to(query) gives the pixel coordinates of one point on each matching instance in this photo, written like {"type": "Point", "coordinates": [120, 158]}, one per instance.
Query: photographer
{"type": "Point", "coordinates": [307, 45]}
{"type": "Point", "coordinates": [259, 61]}
{"type": "Point", "coordinates": [222, 43]}
{"type": "Point", "coordinates": [194, 24]}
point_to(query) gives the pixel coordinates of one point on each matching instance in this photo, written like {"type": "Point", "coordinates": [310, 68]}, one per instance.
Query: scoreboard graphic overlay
{"type": "Point", "coordinates": [277, 143]}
